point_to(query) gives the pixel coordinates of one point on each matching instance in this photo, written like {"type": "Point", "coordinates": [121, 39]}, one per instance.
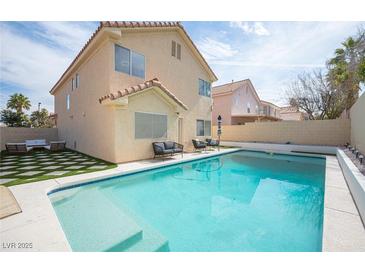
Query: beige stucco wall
{"type": "Point", "coordinates": [357, 115]}
{"type": "Point", "coordinates": [20, 134]}
{"type": "Point", "coordinates": [324, 132]}
{"type": "Point", "coordinates": [88, 124]}
{"type": "Point", "coordinates": [100, 130]}
{"type": "Point", "coordinates": [127, 147]}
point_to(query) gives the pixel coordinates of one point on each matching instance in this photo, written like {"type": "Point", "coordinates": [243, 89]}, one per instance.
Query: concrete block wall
{"type": "Point", "coordinates": [357, 116]}
{"type": "Point", "coordinates": [319, 132]}
{"type": "Point", "coordinates": [20, 134]}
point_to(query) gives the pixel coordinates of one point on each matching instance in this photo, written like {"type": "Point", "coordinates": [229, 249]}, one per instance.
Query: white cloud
{"type": "Point", "coordinates": [250, 27]}
{"type": "Point", "coordinates": [273, 61]}
{"type": "Point", "coordinates": [215, 50]}
{"type": "Point", "coordinates": [35, 66]}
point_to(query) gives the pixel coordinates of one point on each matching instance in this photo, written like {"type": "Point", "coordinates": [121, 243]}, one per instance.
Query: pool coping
{"type": "Point", "coordinates": [39, 224]}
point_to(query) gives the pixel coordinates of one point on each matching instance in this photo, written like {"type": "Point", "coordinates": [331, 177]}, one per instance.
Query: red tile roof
{"type": "Point", "coordinates": [134, 24]}
{"type": "Point", "coordinates": [141, 87]}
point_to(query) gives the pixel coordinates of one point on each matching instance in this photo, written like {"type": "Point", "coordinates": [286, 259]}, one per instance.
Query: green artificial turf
{"type": "Point", "coordinates": [40, 160]}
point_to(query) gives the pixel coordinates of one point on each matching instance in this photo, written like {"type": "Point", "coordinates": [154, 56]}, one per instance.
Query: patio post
{"type": "Point", "coordinates": [219, 131]}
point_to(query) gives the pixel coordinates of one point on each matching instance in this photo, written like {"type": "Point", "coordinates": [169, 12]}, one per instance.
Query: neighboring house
{"type": "Point", "coordinates": [238, 103]}
{"type": "Point", "coordinates": [290, 113]}
{"type": "Point", "coordinates": [134, 83]}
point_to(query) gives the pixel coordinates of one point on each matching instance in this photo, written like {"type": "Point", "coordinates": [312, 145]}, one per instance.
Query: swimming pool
{"type": "Point", "coordinates": [241, 201]}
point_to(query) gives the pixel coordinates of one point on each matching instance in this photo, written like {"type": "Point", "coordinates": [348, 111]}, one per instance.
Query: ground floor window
{"type": "Point", "coordinates": [203, 127]}
{"type": "Point", "coordinates": [150, 125]}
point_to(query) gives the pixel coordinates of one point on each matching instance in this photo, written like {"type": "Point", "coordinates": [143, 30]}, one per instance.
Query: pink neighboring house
{"type": "Point", "coordinates": [238, 103]}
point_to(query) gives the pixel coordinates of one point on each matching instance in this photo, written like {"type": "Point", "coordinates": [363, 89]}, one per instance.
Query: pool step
{"type": "Point", "coordinates": [102, 226]}
{"type": "Point", "coordinates": [151, 241]}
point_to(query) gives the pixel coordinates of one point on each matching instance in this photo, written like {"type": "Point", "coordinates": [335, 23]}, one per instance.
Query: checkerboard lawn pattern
{"type": "Point", "coordinates": [43, 165]}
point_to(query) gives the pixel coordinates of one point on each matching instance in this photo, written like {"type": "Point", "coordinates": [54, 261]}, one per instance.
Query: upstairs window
{"type": "Point", "coordinates": [176, 50]}
{"type": "Point", "coordinates": [77, 80]}
{"type": "Point", "coordinates": [68, 101]}
{"type": "Point", "coordinates": [204, 88]}
{"type": "Point", "coordinates": [122, 59]}
{"type": "Point", "coordinates": [173, 49]}
{"type": "Point", "coordinates": [137, 65]}
{"type": "Point", "coordinates": [248, 108]}
{"type": "Point", "coordinates": [72, 84]}
{"type": "Point", "coordinates": [129, 62]}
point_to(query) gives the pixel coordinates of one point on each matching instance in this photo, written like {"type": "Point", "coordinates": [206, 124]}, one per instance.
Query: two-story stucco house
{"type": "Point", "coordinates": [134, 83]}
{"type": "Point", "coordinates": [238, 103]}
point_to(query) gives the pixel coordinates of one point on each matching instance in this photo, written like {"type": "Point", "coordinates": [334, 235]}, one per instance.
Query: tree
{"type": "Point", "coordinates": [312, 93]}
{"type": "Point", "coordinates": [14, 119]}
{"type": "Point", "coordinates": [346, 70]}
{"type": "Point", "coordinates": [18, 102]}
{"type": "Point", "coordinates": [14, 115]}
{"type": "Point", "coordinates": [40, 118]}
{"type": "Point", "coordinates": [326, 95]}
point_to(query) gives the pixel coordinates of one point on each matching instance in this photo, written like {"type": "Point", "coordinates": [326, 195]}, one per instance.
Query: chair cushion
{"type": "Point", "coordinates": [169, 145]}
{"type": "Point", "coordinates": [168, 151]}
{"type": "Point", "coordinates": [177, 150]}
{"type": "Point", "coordinates": [159, 146]}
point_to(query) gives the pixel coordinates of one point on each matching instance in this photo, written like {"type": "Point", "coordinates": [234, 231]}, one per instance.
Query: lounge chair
{"type": "Point", "coordinates": [167, 148]}
{"type": "Point", "coordinates": [212, 142]}
{"type": "Point", "coordinates": [39, 143]}
{"type": "Point", "coordinates": [17, 148]}
{"type": "Point", "coordinates": [199, 145]}
{"type": "Point", "coordinates": [56, 146]}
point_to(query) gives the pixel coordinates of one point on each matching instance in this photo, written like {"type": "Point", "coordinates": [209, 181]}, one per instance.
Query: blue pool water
{"type": "Point", "coordinates": [242, 201]}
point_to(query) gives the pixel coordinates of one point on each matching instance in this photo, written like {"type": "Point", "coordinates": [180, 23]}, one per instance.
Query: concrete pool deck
{"type": "Point", "coordinates": [37, 228]}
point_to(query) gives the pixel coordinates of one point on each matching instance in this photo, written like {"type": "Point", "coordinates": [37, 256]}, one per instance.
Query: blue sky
{"type": "Point", "coordinates": [271, 54]}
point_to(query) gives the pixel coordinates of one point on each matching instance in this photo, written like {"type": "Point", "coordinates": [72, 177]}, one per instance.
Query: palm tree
{"type": "Point", "coordinates": [18, 102]}
{"type": "Point", "coordinates": [343, 71]}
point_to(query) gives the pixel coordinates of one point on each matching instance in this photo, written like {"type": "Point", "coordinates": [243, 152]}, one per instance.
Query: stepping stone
{"type": "Point", "coordinates": [26, 160]}
{"type": "Point", "coordinates": [48, 163]}
{"type": "Point", "coordinates": [78, 160]}
{"type": "Point", "coordinates": [98, 167]}
{"type": "Point", "coordinates": [57, 173]}
{"type": "Point", "coordinates": [67, 163]}
{"type": "Point", "coordinates": [74, 167]}
{"type": "Point", "coordinates": [7, 163]}
{"type": "Point", "coordinates": [30, 173]}
{"type": "Point", "coordinates": [6, 173]}
{"type": "Point", "coordinates": [89, 163]}
{"type": "Point", "coordinates": [7, 180]}
{"type": "Point", "coordinates": [7, 160]}
{"type": "Point", "coordinates": [28, 167]}
{"type": "Point", "coordinates": [51, 167]}
{"type": "Point", "coordinates": [27, 163]}
{"type": "Point", "coordinates": [7, 167]}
